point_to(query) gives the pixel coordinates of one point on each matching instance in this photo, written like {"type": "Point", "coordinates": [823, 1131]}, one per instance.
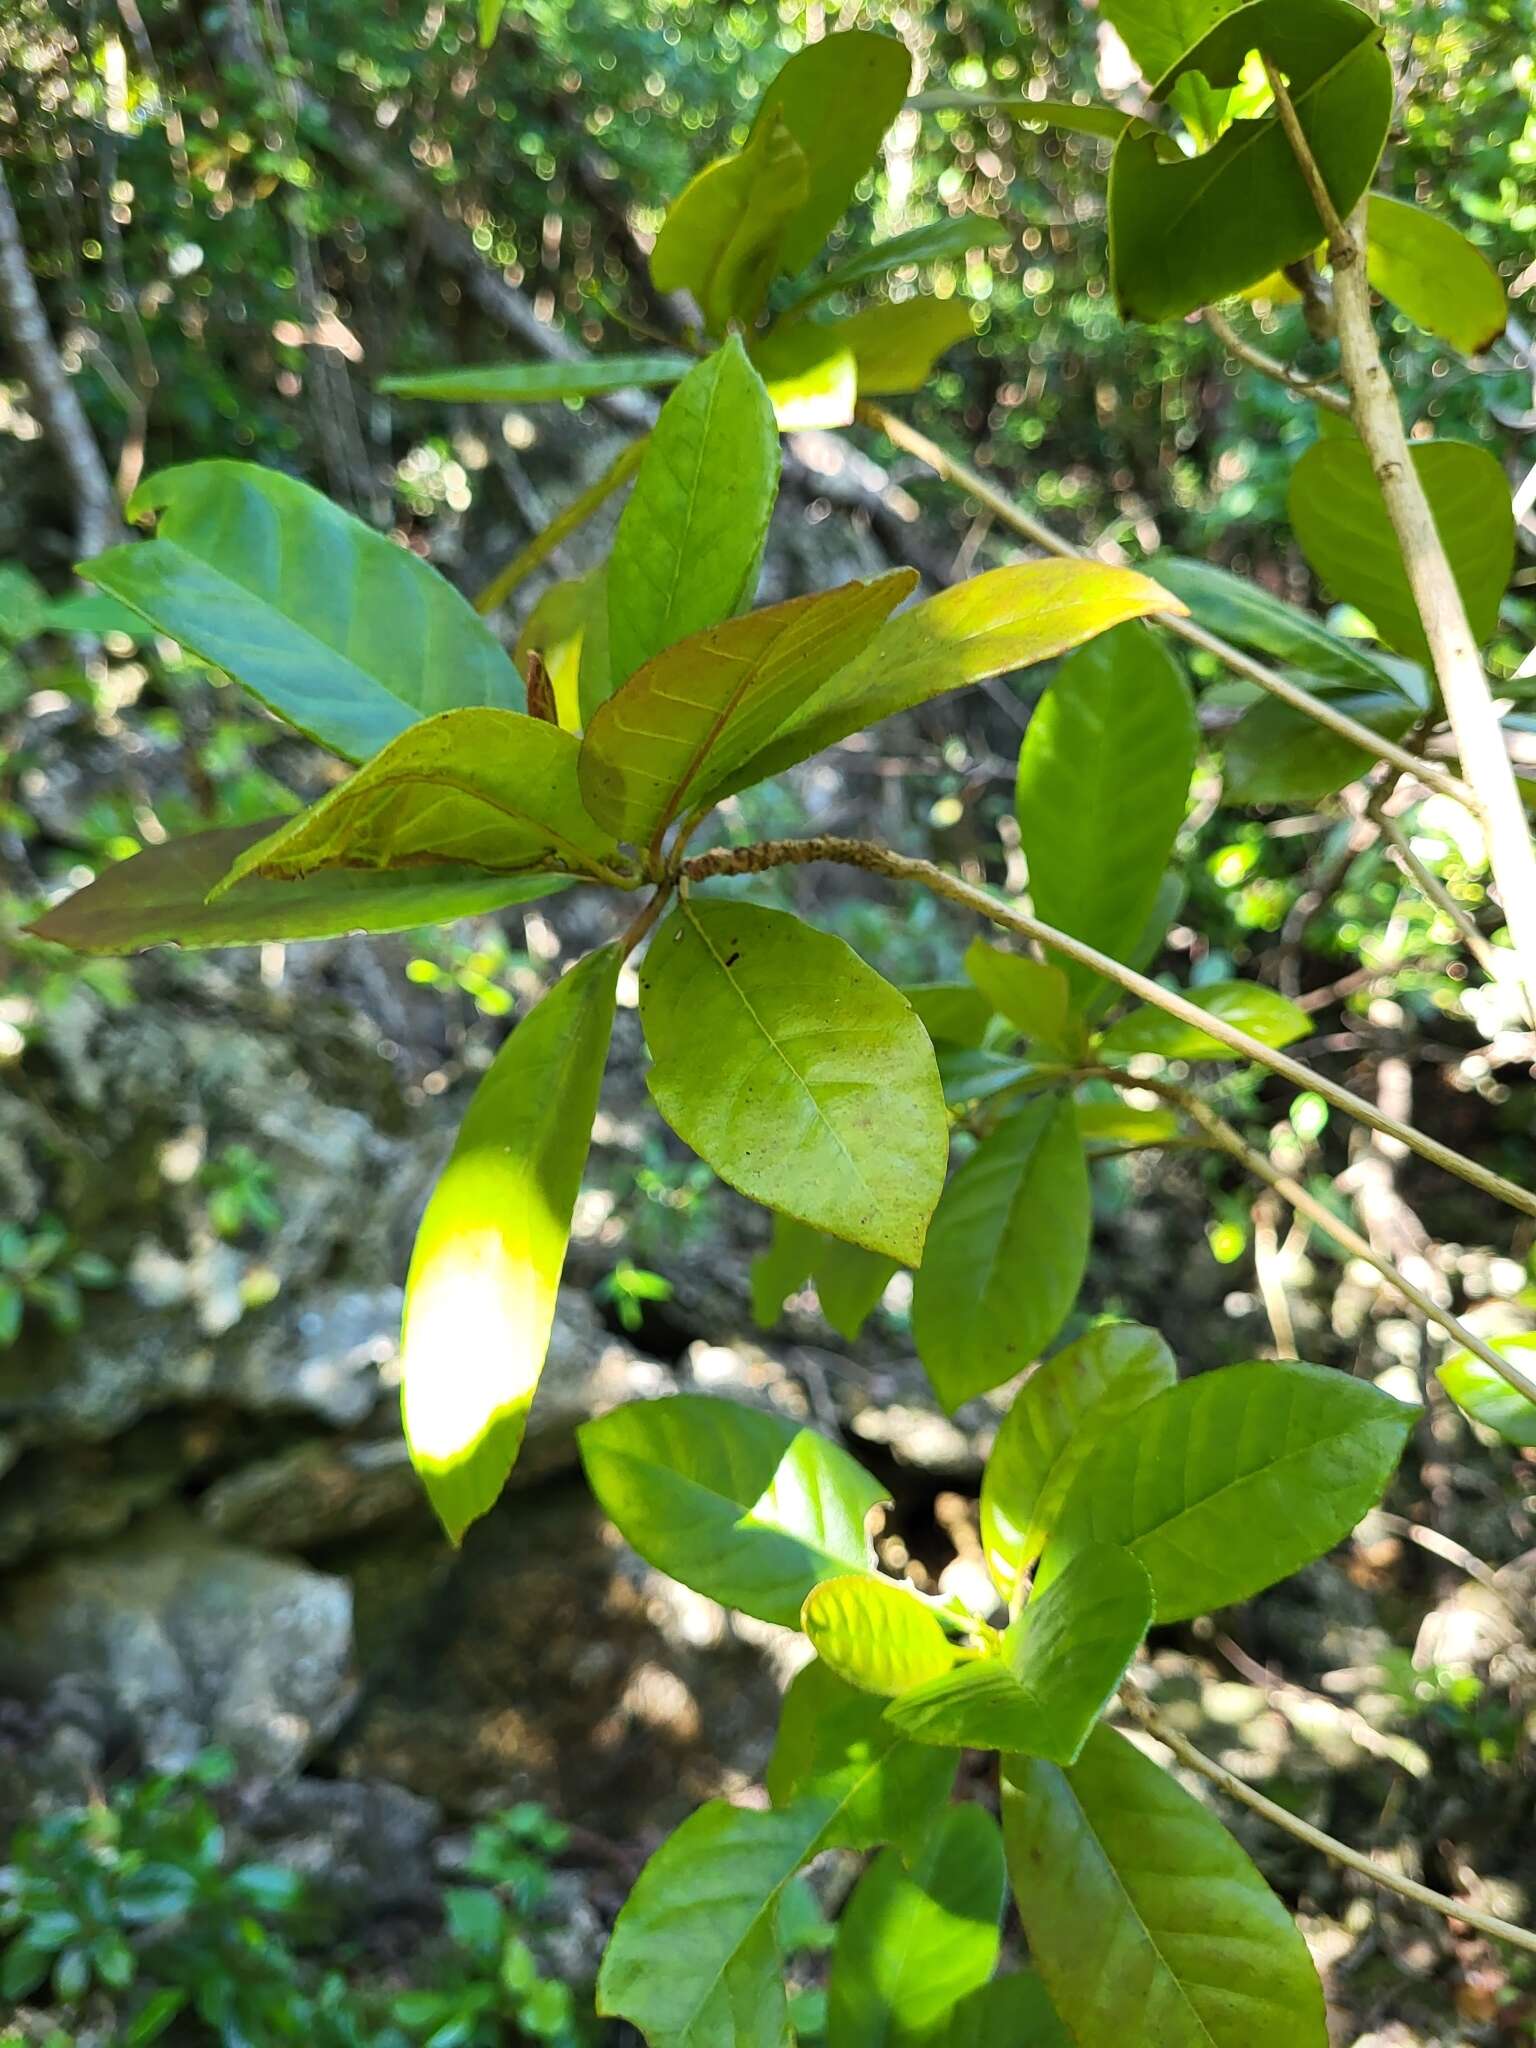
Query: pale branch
{"type": "Point", "coordinates": [1270, 366]}
{"type": "Point", "coordinates": [24, 326]}
{"type": "Point", "coordinates": [1434, 891]}
{"type": "Point", "coordinates": [1235, 1145]}
{"type": "Point", "coordinates": [1458, 666]}
{"type": "Point", "coordinates": [1142, 1711]}
{"type": "Point", "coordinates": [569, 521]}
{"type": "Point", "coordinates": [879, 860]}
{"type": "Point", "coordinates": [1046, 538]}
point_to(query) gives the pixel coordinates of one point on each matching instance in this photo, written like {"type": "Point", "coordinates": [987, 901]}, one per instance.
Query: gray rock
{"type": "Point", "coordinates": [190, 1640]}
{"type": "Point", "coordinates": [371, 1846]}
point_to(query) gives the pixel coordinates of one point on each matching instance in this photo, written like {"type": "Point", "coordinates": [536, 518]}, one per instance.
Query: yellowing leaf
{"type": "Point", "coordinates": [875, 1634]}
{"type": "Point", "coordinates": [487, 789]}
{"type": "Point", "coordinates": [812, 377]}
{"type": "Point", "coordinates": [895, 343]}
{"type": "Point", "coordinates": [676, 732]}
{"type": "Point", "coordinates": [557, 631]}
{"type": "Point", "coordinates": [721, 238]}
{"type": "Point", "coordinates": [1006, 619]}
{"type": "Point", "coordinates": [480, 1296]}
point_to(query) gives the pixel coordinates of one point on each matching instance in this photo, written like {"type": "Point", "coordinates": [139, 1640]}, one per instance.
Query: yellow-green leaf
{"type": "Point", "coordinates": [678, 730]}
{"type": "Point", "coordinates": [1033, 997]}
{"type": "Point", "coordinates": [1049, 1434]}
{"type": "Point", "coordinates": [486, 789]}
{"type": "Point", "coordinates": [538, 383]}
{"type": "Point", "coordinates": [1341, 521]}
{"type": "Point", "coordinates": [875, 1634]}
{"type": "Point", "coordinates": [722, 237]}
{"type": "Point", "coordinates": [690, 538]}
{"type": "Point", "coordinates": [837, 97]}
{"type": "Point", "coordinates": [1247, 1005]}
{"type": "Point", "coordinates": [1431, 272]}
{"type": "Point", "coordinates": [160, 898]}
{"type": "Point", "coordinates": [778, 1056]}
{"type": "Point", "coordinates": [812, 377]}
{"type": "Point", "coordinates": [480, 1295]}
{"type": "Point", "coordinates": [557, 631]}
{"type": "Point", "coordinates": [1005, 1255]}
{"type": "Point", "coordinates": [896, 342]}
{"type": "Point", "coordinates": [1006, 619]}
{"type": "Point", "coordinates": [1479, 1391]}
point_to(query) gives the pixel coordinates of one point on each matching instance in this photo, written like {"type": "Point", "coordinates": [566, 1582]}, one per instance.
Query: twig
{"type": "Point", "coordinates": [560, 528]}
{"type": "Point", "coordinates": [879, 860]}
{"type": "Point", "coordinates": [1147, 1716]}
{"type": "Point", "coordinates": [1271, 366]}
{"type": "Point", "coordinates": [1430, 886]}
{"type": "Point", "coordinates": [1451, 1552]}
{"type": "Point", "coordinates": [1042, 536]}
{"type": "Point", "coordinates": [1452, 644]}
{"type": "Point", "coordinates": [1236, 1146]}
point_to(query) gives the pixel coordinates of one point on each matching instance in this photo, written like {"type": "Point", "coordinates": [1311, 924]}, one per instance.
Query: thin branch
{"type": "Point", "coordinates": [879, 860]}
{"type": "Point", "coordinates": [1156, 1725]}
{"type": "Point", "coordinates": [1045, 537]}
{"type": "Point", "coordinates": [1271, 366]}
{"type": "Point", "coordinates": [1458, 666]}
{"type": "Point", "coordinates": [24, 324]}
{"type": "Point", "coordinates": [1434, 890]}
{"type": "Point", "coordinates": [560, 528]}
{"type": "Point", "coordinates": [1305, 1203]}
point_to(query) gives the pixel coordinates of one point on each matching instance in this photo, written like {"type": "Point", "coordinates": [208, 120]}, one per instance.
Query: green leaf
{"type": "Point", "coordinates": [1005, 1255]}
{"type": "Point", "coordinates": [1341, 521]}
{"type": "Point", "coordinates": [24, 606]}
{"type": "Point", "coordinates": [480, 1295]}
{"type": "Point", "coordinates": [835, 1745]}
{"type": "Point", "coordinates": [1118, 716]}
{"type": "Point", "coordinates": [1186, 231]}
{"type": "Point", "coordinates": [1276, 755]}
{"type": "Point", "coordinates": [940, 241]}
{"type": "Point", "coordinates": [837, 97]}
{"type": "Point", "coordinates": [692, 1961]}
{"type": "Point", "coordinates": [896, 342]}
{"type": "Point", "coordinates": [333, 627]}
{"type": "Point", "coordinates": [953, 1013]}
{"type": "Point", "coordinates": [849, 1280]}
{"type": "Point", "coordinates": [808, 1050]}
{"type": "Point", "coordinates": [691, 535]}
{"type": "Point", "coordinates": [538, 383]}
{"type": "Point", "coordinates": [1241, 610]}
{"type": "Point", "coordinates": [849, 1283]}
{"type": "Point", "coordinates": [875, 1634]}
{"type": "Point", "coordinates": [1479, 1391]}
{"type": "Point", "coordinates": [481, 789]}
{"type": "Point", "coordinates": [912, 1942]}
{"type": "Point", "coordinates": [1145, 1919]}
{"type": "Point", "coordinates": [1108, 123]}
{"type": "Point", "coordinates": [85, 612]}
{"type": "Point", "coordinates": [1116, 1123]}
{"type": "Point", "coordinates": [786, 1264]}
{"type": "Point", "coordinates": [976, 1076]}
{"type": "Point", "coordinates": [1006, 619]}
{"type": "Point", "coordinates": [1229, 1482]}
{"type": "Point", "coordinates": [745, 1507]}
{"type": "Point", "coordinates": [159, 898]}
{"type": "Point", "coordinates": [1058, 1669]}
{"type": "Point", "coordinates": [680, 728]}
{"type": "Point", "coordinates": [490, 20]}
{"type": "Point", "coordinates": [1246, 1005]}
{"type": "Point", "coordinates": [723, 235]}
{"type": "Point", "coordinates": [1159, 32]}
{"type": "Point", "coordinates": [1014, 2011]}
{"type": "Point", "coordinates": [1050, 1432]}
{"type": "Point", "coordinates": [1431, 272]}
{"type": "Point", "coordinates": [1030, 995]}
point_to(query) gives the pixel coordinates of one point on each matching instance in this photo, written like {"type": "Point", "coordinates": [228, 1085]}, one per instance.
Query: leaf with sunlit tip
{"type": "Point", "coordinates": [480, 1296]}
